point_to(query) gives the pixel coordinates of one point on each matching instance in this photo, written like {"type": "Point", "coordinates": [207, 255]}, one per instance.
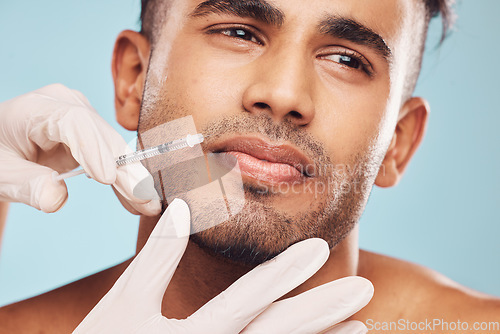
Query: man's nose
{"type": "Point", "coordinates": [282, 86]}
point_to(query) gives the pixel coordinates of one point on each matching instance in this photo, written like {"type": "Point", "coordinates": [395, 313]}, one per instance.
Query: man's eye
{"type": "Point", "coordinates": [346, 60]}
{"type": "Point", "coordinates": [354, 61]}
{"type": "Point", "coordinates": [240, 33]}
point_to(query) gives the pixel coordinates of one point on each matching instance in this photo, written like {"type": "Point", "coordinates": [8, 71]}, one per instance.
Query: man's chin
{"type": "Point", "coordinates": [253, 236]}
{"type": "Point", "coordinates": [237, 255]}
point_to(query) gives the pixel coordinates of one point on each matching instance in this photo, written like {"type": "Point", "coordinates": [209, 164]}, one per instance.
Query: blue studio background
{"type": "Point", "coordinates": [443, 215]}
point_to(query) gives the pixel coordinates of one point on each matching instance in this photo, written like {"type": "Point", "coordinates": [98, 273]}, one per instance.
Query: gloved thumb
{"type": "Point", "coordinates": [52, 195]}
{"type": "Point", "coordinates": [32, 184]}
{"type": "Point", "coordinates": [147, 277]}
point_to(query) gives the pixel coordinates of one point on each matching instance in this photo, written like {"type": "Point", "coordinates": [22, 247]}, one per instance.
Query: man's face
{"type": "Point", "coordinates": [312, 87]}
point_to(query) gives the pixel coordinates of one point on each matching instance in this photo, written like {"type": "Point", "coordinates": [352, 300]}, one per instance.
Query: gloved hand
{"type": "Point", "coordinates": [133, 305]}
{"type": "Point", "coordinates": [56, 129]}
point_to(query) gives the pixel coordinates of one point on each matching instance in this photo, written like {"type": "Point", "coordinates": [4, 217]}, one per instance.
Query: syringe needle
{"type": "Point", "coordinates": [123, 160]}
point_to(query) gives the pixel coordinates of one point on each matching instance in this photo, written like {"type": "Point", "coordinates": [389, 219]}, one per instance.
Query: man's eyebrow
{"type": "Point", "coordinates": [255, 9]}
{"type": "Point", "coordinates": [351, 30]}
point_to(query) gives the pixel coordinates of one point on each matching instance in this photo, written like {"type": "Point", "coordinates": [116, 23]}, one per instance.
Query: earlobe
{"type": "Point", "coordinates": [407, 137]}
{"type": "Point", "coordinates": [129, 66]}
{"type": "Point", "coordinates": [387, 176]}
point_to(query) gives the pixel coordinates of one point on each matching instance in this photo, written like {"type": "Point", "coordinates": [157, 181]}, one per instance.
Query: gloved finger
{"type": "Point", "coordinates": [134, 301]}
{"type": "Point", "coordinates": [124, 179]}
{"type": "Point", "coordinates": [59, 92]}
{"type": "Point", "coordinates": [234, 308]}
{"type": "Point", "coordinates": [125, 203]}
{"type": "Point", "coordinates": [349, 327]}
{"type": "Point", "coordinates": [83, 132]}
{"type": "Point", "coordinates": [64, 116]}
{"type": "Point", "coordinates": [151, 208]}
{"type": "Point", "coordinates": [145, 280]}
{"type": "Point", "coordinates": [315, 310]}
{"type": "Point", "coordinates": [128, 177]}
{"type": "Point", "coordinates": [32, 184]}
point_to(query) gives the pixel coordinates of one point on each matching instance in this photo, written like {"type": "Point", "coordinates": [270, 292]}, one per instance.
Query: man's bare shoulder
{"type": "Point", "coordinates": [59, 310]}
{"type": "Point", "coordinates": [408, 291]}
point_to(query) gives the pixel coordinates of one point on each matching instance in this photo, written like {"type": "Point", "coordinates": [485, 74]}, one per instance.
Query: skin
{"type": "Point", "coordinates": [294, 80]}
{"type": "Point", "coordinates": [4, 210]}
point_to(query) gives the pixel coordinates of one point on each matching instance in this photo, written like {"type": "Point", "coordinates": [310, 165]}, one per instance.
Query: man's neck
{"type": "Point", "coordinates": [201, 276]}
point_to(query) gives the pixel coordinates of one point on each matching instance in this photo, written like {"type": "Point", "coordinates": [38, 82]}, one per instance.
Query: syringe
{"type": "Point", "coordinates": [126, 159]}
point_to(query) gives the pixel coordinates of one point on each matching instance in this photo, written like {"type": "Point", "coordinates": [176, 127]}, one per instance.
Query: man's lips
{"type": "Point", "coordinates": [265, 161]}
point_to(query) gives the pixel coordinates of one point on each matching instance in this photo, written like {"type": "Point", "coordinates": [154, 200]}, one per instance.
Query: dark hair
{"type": "Point", "coordinates": [436, 8]}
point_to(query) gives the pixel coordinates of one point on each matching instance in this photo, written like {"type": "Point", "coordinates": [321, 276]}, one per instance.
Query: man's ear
{"type": "Point", "coordinates": [407, 137]}
{"type": "Point", "coordinates": [129, 66]}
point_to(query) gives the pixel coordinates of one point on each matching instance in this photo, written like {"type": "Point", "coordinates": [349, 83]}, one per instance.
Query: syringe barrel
{"type": "Point", "coordinates": [174, 145]}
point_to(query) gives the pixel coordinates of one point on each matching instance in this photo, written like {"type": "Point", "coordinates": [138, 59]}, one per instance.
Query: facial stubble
{"type": "Point", "coordinates": [260, 231]}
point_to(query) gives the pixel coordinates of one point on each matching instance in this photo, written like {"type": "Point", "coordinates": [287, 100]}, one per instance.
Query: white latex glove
{"type": "Point", "coordinates": [56, 129]}
{"type": "Point", "coordinates": [133, 305]}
